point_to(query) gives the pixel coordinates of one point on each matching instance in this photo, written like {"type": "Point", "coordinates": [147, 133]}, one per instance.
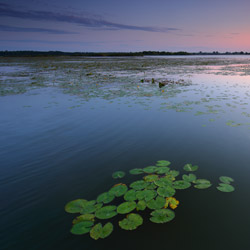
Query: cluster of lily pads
{"type": "Point", "coordinates": [155, 191]}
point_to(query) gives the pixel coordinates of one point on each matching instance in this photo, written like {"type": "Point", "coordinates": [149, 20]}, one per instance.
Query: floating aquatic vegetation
{"type": "Point", "coordinates": [162, 215]}
{"type": "Point", "coordinates": [136, 171]}
{"type": "Point", "coordinates": [106, 197]}
{"type": "Point", "coordinates": [131, 222]}
{"type": "Point", "coordinates": [155, 190]}
{"type": "Point", "coordinates": [189, 178]}
{"type": "Point", "coordinates": [172, 202]}
{"type": "Point", "coordinates": [106, 212]}
{"type": "Point", "coordinates": [226, 179]}
{"type": "Point", "coordinates": [82, 227]}
{"type": "Point", "coordinates": [118, 174]}
{"type": "Point", "coordinates": [119, 189]}
{"type": "Point", "coordinates": [190, 167]}
{"type": "Point", "coordinates": [223, 187]}
{"type": "Point", "coordinates": [99, 231]}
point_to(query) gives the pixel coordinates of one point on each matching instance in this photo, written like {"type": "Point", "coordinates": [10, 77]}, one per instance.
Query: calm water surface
{"type": "Point", "coordinates": [56, 147]}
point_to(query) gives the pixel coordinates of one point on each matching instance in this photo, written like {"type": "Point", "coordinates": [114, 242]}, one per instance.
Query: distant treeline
{"type": "Point", "coordinates": [29, 53]}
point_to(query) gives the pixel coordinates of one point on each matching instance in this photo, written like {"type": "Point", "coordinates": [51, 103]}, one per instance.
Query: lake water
{"type": "Point", "coordinates": [66, 124]}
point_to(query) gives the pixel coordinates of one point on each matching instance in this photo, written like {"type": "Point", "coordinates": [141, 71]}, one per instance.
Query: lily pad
{"type": "Point", "coordinates": [118, 174]}
{"type": "Point", "coordinates": [189, 167]}
{"type": "Point", "coordinates": [139, 185]}
{"type": "Point", "coordinates": [106, 212]}
{"type": "Point", "coordinates": [131, 222]}
{"type": "Point", "coordinates": [146, 195]}
{"type": "Point", "coordinates": [150, 169]}
{"type": "Point", "coordinates": [89, 207]}
{"type": "Point", "coordinates": [84, 217]}
{"type": "Point", "coordinates": [226, 179]}
{"type": "Point", "coordinates": [173, 173]}
{"type": "Point", "coordinates": [151, 178]}
{"type": "Point", "coordinates": [75, 206]}
{"type": "Point", "coordinates": [162, 170]}
{"type": "Point", "coordinates": [156, 203]}
{"type": "Point", "coordinates": [181, 184]}
{"type": "Point", "coordinates": [203, 185]}
{"type": "Point", "coordinates": [162, 216]}
{"type": "Point", "coordinates": [136, 171]}
{"type": "Point", "coordinates": [201, 181]}
{"type": "Point", "coordinates": [81, 227]}
{"type": "Point", "coordinates": [166, 191]}
{"type": "Point", "coordinates": [126, 207]}
{"type": "Point", "coordinates": [130, 195]}
{"type": "Point", "coordinates": [189, 177]}
{"type": "Point", "coordinates": [105, 197]}
{"type": "Point", "coordinates": [163, 182]}
{"type": "Point", "coordinates": [224, 187]}
{"type": "Point", "coordinates": [119, 189]}
{"type": "Point", "coordinates": [151, 186]}
{"type": "Point", "coordinates": [99, 231]}
{"type": "Point", "coordinates": [141, 205]}
{"type": "Point", "coordinates": [172, 202]}
{"type": "Point", "coordinates": [163, 163]}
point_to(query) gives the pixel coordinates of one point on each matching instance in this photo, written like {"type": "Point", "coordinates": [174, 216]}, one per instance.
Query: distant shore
{"type": "Point", "coordinates": [29, 53]}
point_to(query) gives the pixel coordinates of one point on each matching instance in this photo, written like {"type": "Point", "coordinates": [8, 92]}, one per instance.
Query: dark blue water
{"type": "Point", "coordinates": [57, 147]}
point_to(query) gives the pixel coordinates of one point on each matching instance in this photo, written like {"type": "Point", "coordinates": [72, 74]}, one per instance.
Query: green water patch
{"type": "Point", "coordinates": [153, 192]}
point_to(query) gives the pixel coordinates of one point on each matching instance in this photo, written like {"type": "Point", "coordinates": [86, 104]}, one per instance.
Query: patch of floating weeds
{"type": "Point", "coordinates": [154, 191]}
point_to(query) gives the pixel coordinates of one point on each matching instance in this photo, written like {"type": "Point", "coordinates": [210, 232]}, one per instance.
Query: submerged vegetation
{"type": "Point", "coordinates": [155, 191]}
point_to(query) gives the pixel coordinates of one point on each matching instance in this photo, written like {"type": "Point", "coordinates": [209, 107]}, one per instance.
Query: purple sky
{"type": "Point", "coordinates": [113, 25]}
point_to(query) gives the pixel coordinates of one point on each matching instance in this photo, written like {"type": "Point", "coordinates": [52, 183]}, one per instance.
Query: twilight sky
{"type": "Point", "coordinates": [128, 25]}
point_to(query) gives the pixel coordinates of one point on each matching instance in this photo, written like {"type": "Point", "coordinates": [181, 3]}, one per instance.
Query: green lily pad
{"type": "Point", "coordinates": [226, 180]}
{"type": "Point", "coordinates": [131, 222]}
{"type": "Point", "coordinates": [203, 185]}
{"type": "Point", "coordinates": [126, 207]}
{"type": "Point", "coordinates": [105, 197]}
{"type": "Point", "coordinates": [163, 182]}
{"type": "Point", "coordinates": [75, 206]}
{"type": "Point", "coordinates": [99, 231]}
{"type": "Point", "coordinates": [139, 185]}
{"type": "Point", "coordinates": [189, 177]}
{"type": "Point", "coordinates": [118, 190]}
{"type": "Point", "coordinates": [151, 186]}
{"type": "Point", "coordinates": [173, 173]}
{"type": "Point", "coordinates": [150, 169]}
{"type": "Point", "coordinates": [84, 217]}
{"type": "Point", "coordinates": [151, 178]}
{"type": "Point", "coordinates": [189, 167]}
{"type": "Point", "coordinates": [89, 207]}
{"type": "Point", "coordinates": [118, 174]}
{"type": "Point", "coordinates": [136, 171]}
{"type": "Point", "coordinates": [224, 187]}
{"type": "Point", "coordinates": [146, 195]}
{"type": "Point", "coordinates": [166, 191]}
{"type": "Point", "coordinates": [106, 212]}
{"type": "Point", "coordinates": [156, 203]}
{"type": "Point", "coordinates": [162, 215]}
{"type": "Point", "coordinates": [163, 163]}
{"type": "Point", "coordinates": [181, 184]}
{"type": "Point", "coordinates": [201, 181]}
{"type": "Point", "coordinates": [130, 195]}
{"type": "Point", "coordinates": [141, 205]}
{"type": "Point", "coordinates": [81, 227]}
{"type": "Point", "coordinates": [162, 170]}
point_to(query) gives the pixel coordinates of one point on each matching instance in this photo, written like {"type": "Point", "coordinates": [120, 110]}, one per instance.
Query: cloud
{"type": "Point", "coordinates": [51, 42]}
{"type": "Point", "coordinates": [21, 29]}
{"type": "Point", "coordinates": [90, 22]}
